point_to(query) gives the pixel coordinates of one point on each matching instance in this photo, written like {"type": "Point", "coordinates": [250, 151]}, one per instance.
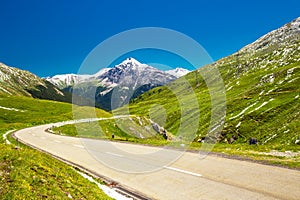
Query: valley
{"type": "Point", "coordinates": [144, 108]}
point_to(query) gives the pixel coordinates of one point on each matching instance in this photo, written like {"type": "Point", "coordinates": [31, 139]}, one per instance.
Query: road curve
{"type": "Point", "coordinates": [189, 177]}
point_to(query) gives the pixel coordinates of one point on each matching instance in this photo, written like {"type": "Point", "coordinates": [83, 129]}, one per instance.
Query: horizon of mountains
{"type": "Point", "coordinates": [261, 81]}
{"type": "Point", "coordinates": [128, 80]}
{"type": "Point", "coordinates": [106, 75]}
{"type": "Point", "coordinates": [59, 87]}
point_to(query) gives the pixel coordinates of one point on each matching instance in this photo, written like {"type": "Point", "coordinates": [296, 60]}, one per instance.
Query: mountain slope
{"type": "Point", "coordinates": [63, 81]}
{"type": "Point", "coordinates": [262, 90]}
{"type": "Point", "coordinates": [14, 81]}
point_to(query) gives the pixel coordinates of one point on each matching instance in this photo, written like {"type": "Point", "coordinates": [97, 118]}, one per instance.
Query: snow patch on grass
{"type": "Point", "coordinates": [229, 88]}
{"type": "Point", "coordinates": [59, 92]}
{"type": "Point", "coordinates": [269, 78]}
{"type": "Point", "coordinates": [293, 80]}
{"type": "Point", "coordinates": [289, 73]}
{"type": "Point", "coordinates": [243, 111]}
{"type": "Point", "coordinates": [261, 93]}
{"type": "Point", "coordinates": [4, 90]}
{"type": "Point", "coordinates": [259, 107]}
{"type": "Point", "coordinates": [5, 136]}
{"type": "Point", "coordinates": [12, 109]}
{"type": "Point", "coordinates": [270, 138]}
{"type": "Point", "coordinates": [286, 131]}
{"type": "Point", "coordinates": [280, 82]}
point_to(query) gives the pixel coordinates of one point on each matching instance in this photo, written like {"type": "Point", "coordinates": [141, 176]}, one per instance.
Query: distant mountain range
{"type": "Point", "coordinates": [131, 78]}
{"type": "Point", "coordinates": [111, 76]}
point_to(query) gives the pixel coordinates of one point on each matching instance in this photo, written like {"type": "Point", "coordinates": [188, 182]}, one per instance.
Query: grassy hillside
{"type": "Point", "coordinates": [14, 81]}
{"type": "Point", "coordinates": [29, 174]}
{"type": "Point", "coordinates": [256, 107]}
{"type": "Point", "coordinates": [262, 93]}
{"type": "Point", "coordinates": [124, 129]}
{"type": "Point", "coordinates": [261, 83]}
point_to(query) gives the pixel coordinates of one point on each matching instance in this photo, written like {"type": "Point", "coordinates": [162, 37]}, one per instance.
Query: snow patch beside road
{"type": "Point", "coordinates": [107, 190]}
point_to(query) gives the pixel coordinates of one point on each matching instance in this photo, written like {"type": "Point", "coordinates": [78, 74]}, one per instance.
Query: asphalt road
{"type": "Point", "coordinates": [150, 170]}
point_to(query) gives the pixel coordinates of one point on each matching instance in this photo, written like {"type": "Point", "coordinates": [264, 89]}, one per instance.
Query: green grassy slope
{"type": "Point", "coordinates": [124, 129]}
{"type": "Point", "coordinates": [262, 92]}
{"type": "Point", "coordinates": [261, 84]}
{"type": "Point", "coordinates": [30, 174]}
{"type": "Point", "coordinates": [14, 81]}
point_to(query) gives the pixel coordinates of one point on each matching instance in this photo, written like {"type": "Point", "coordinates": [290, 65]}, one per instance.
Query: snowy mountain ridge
{"type": "Point", "coordinates": [111, 76]}
{"type": "Point", "coordinates": [130, 78]}
{"type": "Point", "coordinates": [178, 72]}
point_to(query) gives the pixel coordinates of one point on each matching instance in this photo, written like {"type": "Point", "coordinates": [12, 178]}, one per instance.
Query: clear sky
{"type": "Point", "coordinates": [49, 37]}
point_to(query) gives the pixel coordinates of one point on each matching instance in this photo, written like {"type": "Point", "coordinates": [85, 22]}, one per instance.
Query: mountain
{"type": "Point", "coordinates": [65, 80]}
{"type": "Point", "coordinates": [178, 72]}
{"type": "Point", "coordinates": [14, 81]}
{"type": "Point", "coordinates": [276, 39]}
{"type": "Point", "coordinates": [262, 94]}
{"type": "Point", "coordinates": [110, 76]}
{"type": "Point", "coordinates": [130, 78]}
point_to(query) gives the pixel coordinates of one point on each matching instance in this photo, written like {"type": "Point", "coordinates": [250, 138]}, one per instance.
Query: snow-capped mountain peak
{"type": "Point", "coordinates": [131, 61]}
{"type": "Point", "coordinates": [129, 75]}
{"type": "Point", "coordinates": [101, 72]}
{"type": "Point", "coordinates": [63, 80]}
{"type": "Point", "coordinates": [109, 76]}
{"type": "Point", "coordinates": [178, 72]}
{"type": "Point", "coordinates": [133, 69]}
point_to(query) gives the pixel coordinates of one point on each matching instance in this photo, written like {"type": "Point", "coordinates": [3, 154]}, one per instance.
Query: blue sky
{"type": "Point", "coordinates": [54, 37]}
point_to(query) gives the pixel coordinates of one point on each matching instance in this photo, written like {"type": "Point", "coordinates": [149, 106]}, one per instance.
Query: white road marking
{"type": "Point", "coordinates": [114, 154]}
{"type": "Point", "coordinates": [80, 146]}
{"type": "Point", "coordinates": [57, 141]}
{"type": "Point", "coordinates": [183, 171]}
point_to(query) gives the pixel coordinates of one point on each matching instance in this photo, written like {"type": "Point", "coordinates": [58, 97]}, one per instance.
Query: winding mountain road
{"type": "Point", "coordinates": [150, 170]}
